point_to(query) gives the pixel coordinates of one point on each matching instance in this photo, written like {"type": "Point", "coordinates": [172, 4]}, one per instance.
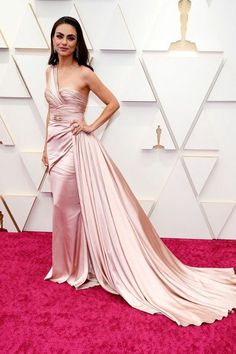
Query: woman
{"type": "Point", "coordinates": [101, 235]}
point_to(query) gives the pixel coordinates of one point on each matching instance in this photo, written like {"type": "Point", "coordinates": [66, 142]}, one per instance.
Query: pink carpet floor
{"type": "Point", "coordinates": [38, 316]}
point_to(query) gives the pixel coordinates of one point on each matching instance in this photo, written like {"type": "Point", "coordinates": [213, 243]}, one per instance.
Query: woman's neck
{"type": "Point", "coordinates": [66, 62]}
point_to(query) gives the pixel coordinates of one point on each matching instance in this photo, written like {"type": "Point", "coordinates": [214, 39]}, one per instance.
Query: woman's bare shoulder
{"type": "Point", "coordinates": [87, 74]}
{"type": "Point", "coordinates": [86, 71]}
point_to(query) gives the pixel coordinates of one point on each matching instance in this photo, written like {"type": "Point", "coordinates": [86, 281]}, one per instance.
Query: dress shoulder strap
{"type": "Point", "coordinates": [51, 79]}
{"type": "Point", "coordinates": [48, 76]}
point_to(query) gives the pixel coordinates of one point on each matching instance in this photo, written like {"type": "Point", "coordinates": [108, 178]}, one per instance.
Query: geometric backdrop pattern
{"type": "Point", "coordinates": [188, 188]}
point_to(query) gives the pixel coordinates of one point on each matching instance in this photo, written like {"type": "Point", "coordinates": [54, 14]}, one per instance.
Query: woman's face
{"type": "Point", "coordinates": [65, 39]}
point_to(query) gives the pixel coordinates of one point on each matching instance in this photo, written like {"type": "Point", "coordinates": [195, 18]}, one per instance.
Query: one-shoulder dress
{"type": "Point", "coordinates": [102, 236]}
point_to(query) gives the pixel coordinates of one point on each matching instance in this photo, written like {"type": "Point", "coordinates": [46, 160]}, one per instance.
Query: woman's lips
{"type": "Point", "coordinates": [64, 49]}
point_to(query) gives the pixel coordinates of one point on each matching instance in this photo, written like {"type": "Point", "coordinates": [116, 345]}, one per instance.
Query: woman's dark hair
{"type": "Point", "coordinates": [81, 53]}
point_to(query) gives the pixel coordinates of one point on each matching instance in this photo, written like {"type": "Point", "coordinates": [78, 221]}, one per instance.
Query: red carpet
{"type": "Point", "coordinates": [39, 316]}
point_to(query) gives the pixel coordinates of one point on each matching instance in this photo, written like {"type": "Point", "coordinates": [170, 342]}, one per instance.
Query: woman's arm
{"type": "Point", "coordinates": [105, 95]}
{"type": "Point", "coordinates": [45, 155]}
{"type": "Point", "coordinates": [46, 132]}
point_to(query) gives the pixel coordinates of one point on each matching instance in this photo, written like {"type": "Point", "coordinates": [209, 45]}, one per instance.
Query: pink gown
{"type": "Point", "coordinates": [102, 236]}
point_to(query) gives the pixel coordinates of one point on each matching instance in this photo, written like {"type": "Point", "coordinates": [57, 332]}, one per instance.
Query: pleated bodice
{"type": "Point", "coordinates": [64, 103]}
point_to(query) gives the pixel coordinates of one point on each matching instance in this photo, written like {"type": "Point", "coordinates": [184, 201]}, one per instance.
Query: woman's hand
{"type": "Point", "coordinates": [77, 127]}
{"type": "Point", "coordinates": [45, 158]}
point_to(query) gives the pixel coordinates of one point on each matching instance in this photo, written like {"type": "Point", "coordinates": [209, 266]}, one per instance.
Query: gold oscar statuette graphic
{"type": "Point", "coordinates": [183, 44]}
{"type": "Point", "coordinates": [1, 222]}
{"type": "Point", "coordinates": [158, 131]}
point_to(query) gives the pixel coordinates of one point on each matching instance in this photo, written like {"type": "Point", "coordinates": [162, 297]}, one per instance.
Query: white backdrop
{"type": "Point", "coordinates": [188, 190]}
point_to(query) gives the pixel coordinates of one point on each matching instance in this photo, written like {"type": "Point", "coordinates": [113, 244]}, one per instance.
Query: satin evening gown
{"type": "Point", "coordinates": [102, 236]}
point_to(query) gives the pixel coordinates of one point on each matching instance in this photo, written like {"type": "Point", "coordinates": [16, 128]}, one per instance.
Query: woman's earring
{"type": "Point", "coordinates": [77, 52]}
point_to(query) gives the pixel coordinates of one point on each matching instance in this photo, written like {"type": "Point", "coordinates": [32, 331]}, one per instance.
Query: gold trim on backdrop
{"type": "Point", "coordinates": [45, 169]}
{"type": "Point", "coordinates": [42, 181]}
{"type": "Point", "coordinates": [8, 132]}
{"type": "Point", "coordinates": [9, 213]}
{"type": "Point", "coordinates": [22, 77]}
{"type": "Point", "coordinates": [148, 78]}
{"type": "Point", "coordinates": [196, 194]}
{"type": "Point", "coordinates": [127, 27]}
{"type": "Point", "coordinates": [29, 211]}
{"type": "Point", "coordinates": [134, 49]}
{"type": "Point", "coordinates": [81, 22]}
{"type": "Point", "coordinates": [36, 197]}
{"type": "Point", "coordinates": [202, 106]}
{"type": "Point", "coordinates": [4, 40]}
{"type": "Point", "coordinates": [156, 200]}
{"type": "Point", "coordinates": [206, 220]}
{"type": "Point", "coordinates": [41, 30]}
{"type": "Point", "coordinates": [91, 60]}
{"type": "Point", "coordinates": [1, 220]}
{"type": "Point", "coordinates": [188, 173]}
{"type": "Point", "coordinates": [203, 202]}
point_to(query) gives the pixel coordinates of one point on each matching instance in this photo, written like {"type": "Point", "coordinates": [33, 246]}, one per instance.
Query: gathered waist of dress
{"type": "Point", "coordinates": [62, 115]}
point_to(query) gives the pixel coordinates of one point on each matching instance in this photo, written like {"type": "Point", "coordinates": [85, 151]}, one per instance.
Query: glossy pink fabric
{"type": "Point", "coordinates": [101, 235]}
